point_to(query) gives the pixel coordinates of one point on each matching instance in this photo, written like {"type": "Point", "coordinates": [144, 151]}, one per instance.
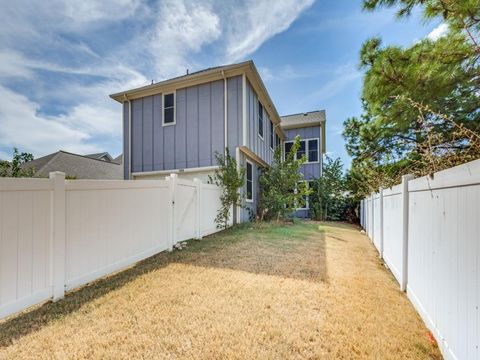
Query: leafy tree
{"type": "Point", "coordinates": [282, 188]}
{"type": "Point", "coordinates": [328, 199]}
{"type": "Point", "coordinates": [419, 94]}
{"type": "Point", "coordinates": [15, 167]}
{"type": "Point", "coordinates": [230, 180]}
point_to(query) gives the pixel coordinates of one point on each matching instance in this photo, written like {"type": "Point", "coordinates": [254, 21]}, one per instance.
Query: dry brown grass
{"type": "Point", "coordinates": [258, 291]}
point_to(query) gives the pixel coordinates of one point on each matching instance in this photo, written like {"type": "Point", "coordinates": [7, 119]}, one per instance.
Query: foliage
{"type": "Point", "coordinates": [421, 103]}
{"type": "Point", "coordinates": [230, 180]}
{"type": "Point", "coordinates": [328, 200]}
{"type": "Point", "coordinates": [15, 167]}
{"type": "Point", "coordinates": [282, 186]}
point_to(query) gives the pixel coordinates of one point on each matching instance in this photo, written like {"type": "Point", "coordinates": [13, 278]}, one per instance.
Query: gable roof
{"type": "Point", "coordinates": [74, 165]}
{"type": "Point", "coordinates": [207, 75]}
{"type": "Point", "coordinates": [99, 156]}
{"type": "Point", "coordinates": [118, 159]}
{"type": "Point", "coordinates": [301, 120]}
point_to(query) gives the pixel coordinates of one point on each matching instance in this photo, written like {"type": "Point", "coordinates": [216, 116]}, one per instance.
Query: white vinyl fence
{"type": "Point", "coordinates": [56, 235]}
{"type": "Point", "coordinates": [430, 239]}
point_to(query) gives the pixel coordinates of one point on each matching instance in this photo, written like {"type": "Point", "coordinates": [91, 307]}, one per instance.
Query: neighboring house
{"type": "Point", "coordinates": [105, 156]}
{"type": "Point", "coordinates": [76, 166]}
{"type": "Point", "coordinates": [177, 125]}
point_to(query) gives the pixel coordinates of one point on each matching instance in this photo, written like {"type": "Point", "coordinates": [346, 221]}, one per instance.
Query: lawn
{"type": "Point", "coordinates": [265, 291]}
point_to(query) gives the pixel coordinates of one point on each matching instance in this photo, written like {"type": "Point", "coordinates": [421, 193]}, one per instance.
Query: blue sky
{"type": "Point", "coordinates": [59, 60]}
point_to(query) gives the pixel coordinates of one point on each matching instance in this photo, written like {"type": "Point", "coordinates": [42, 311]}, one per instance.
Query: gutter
{"type": "Point", "coordinates": [225, 110]}
{"type": "Point", "coordinates": [129, 137]}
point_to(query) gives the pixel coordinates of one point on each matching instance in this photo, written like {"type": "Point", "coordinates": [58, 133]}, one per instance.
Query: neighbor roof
{"type": "Point", "coordinates": [307, 119]}
{"type": "Point", "coordinates": [99, 156]}
{"type": "Point", "coordinates": [74, 165]}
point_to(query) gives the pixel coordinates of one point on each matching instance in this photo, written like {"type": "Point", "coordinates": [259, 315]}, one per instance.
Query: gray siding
{"type": "Point", "coordinates": [259, 146]}
{"type": "Point", "coordinates": [234, 113]}
{"type": "Point", "coordinates": [310, 171]}
{"type": "Point", "coordinates": [126, 151]}
{"type": "Point", "coordinates": [193, 140]}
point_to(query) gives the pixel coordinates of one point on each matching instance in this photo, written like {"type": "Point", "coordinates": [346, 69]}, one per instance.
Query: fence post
{"type": "Point", "coordinates": [381, 222]}
{"type": "Point", "coordinates": [198, 216]}
{"type": "Point", "coordinates": [172, 184]}
{"type": "Point", "coordinates": [58, 235]}
{"type": "Point", "coordinates": [405, 180]}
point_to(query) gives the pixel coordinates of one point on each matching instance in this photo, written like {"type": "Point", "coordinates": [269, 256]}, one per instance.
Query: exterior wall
{"type": "Point", "coordinates": [259, 146]}
{"type": "Point", "coordinates": [234, 114]}
{"type": "Point", "coordinates": [310, 171]}
{"type": "Point", "coordinates": [198, 133]}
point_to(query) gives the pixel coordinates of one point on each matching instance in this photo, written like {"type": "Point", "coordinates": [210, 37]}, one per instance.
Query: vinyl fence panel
{"type": "Point", "coordinates": [25, 233]}
{"type": "Point", "coordinates": [56, 235]}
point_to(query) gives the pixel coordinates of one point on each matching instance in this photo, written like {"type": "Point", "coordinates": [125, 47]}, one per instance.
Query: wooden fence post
{"type": "Point", "coordinates": [172, 232]}
{"type": "Point", "coordinates": [405, 180]}
{"type": "Point", "coordinates": [58, 235]}
{"type": "Point", "coordinates": [198, 216]}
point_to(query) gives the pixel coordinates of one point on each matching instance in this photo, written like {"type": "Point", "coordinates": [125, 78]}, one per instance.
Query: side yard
{"type": "Point", "coordinates": [309, 290]}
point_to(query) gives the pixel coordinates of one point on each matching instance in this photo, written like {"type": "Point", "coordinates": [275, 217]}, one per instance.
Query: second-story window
{"type": "Point", "coordinates": [308, 147]}
{"type": "Point", "coordinates": [272, 136]}
{"type": "Point", "coordinates": [260, 119]}
{"type": "Point", "coordinates": [169, 109]}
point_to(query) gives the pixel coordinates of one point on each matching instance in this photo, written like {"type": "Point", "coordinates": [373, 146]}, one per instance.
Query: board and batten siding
{"type": "Point", "coordinates": [310, 171]}
{"type": "Point", "coordinates": [198, 133]}
{"type": "Point", "coordinates": [259, 146]}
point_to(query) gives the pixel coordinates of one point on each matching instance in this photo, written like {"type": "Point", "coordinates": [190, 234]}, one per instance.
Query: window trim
{"type": "Point", "coordinates": [246, 181]}
{"type": "Point", "coordinates": [261, 136]}
{"type": "Point", "coordinates": [174, 92]}
{"type": "Point", "coordinates": [307, 149]}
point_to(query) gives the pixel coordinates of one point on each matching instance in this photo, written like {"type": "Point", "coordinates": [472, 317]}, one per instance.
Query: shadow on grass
{"type": "Point", "coordinates": [291, 251]}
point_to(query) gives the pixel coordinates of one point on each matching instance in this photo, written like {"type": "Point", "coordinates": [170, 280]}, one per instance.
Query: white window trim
{"type": "Point", "coordinates": [306, 150]}
{"type": "Point", "coordinates": [174, 92]}
{"type": "Point", "coordinates": [246, 183]}
{"type": "Point", "coordinates": [263, 121]}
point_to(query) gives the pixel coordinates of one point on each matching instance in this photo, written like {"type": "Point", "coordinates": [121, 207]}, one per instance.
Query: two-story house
{"type": "Point", "coordinates": [177, 125]}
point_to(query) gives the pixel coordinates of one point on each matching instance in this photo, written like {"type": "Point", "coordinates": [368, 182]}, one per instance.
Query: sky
{"type": "Point", "coordinates": [59, 60]}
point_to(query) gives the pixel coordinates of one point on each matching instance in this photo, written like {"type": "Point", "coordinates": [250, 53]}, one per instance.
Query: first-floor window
{"type": "Point", "coordinates": [249, 181]}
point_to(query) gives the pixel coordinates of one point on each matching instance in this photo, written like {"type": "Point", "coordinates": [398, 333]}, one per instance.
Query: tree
{"type": "Point", "coordinates": [411, 96]}
{"type": "Point", "coordinates": [282, 188]}
{"type": "Point", "coordinates": [230, 180]}
{"type": "Point", "coordinates": [15, 168]}
{"type": "Point", "coordinates": [328, 199]}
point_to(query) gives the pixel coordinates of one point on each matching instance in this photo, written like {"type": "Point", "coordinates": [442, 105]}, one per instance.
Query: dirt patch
{"type": "Point", "coordinates": [266, 291]}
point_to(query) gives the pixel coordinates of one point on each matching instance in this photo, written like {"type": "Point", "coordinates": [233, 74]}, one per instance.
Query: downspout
{"type": "Point", "coordinates": [129, 137]}
{"type": "Point", "coordinates": [225, 109]}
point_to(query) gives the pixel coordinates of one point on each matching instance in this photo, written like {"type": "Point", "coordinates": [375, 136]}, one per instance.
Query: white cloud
{"type": "Point", "coordinates": [438, 32]}
{"type": "Point", "coordinates": [24, 128]}
{"type": "Point", "coordinates": [256, 21]}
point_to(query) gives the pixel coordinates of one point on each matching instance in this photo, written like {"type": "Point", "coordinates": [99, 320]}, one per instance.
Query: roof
{"type": "Point", "coordinates": [74, 165]}
{"type": "Point", "coordinates": [118, 159]}
{"type": "Point", "coordinates": [207, 75]}
{"type": "Point", "coordinates": [301, 120]}
{"type": "Point", "coordinates": [99, 156]}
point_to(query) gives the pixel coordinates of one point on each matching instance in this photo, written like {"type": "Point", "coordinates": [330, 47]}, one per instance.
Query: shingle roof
{"type": "Point", "coordinates": [74, 165]}
{"type": "Point", "coordinates": [312, 118]}
{"type": "Point", "coordinates": [118, 159]}
{"type": "Point", "coordinates": [99, 155]}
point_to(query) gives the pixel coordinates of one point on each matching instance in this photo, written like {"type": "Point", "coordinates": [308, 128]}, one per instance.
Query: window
{"type": "Point", "coordinates": [277, 140]}
{"type": "Point", "coordinates": [260, 119]}
{"type": "Point", "coordinates": [272, 135]}
{"type": "Point", "coordinates": [310, 184]}
{"type": "Point", "coordinates": [312, 155]}
{"type": "Point", "coordinates": [308, 147]}
{"type": "Point", "coordinates": [249, 197]}
{"type": "Point", "coordinates": [169, 109]}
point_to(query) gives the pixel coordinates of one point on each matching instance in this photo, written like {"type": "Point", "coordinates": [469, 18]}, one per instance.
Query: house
{"type": "Point", "coordinates": [76, 166]}
{"type": "Point", "coordinates": [178, 125]}
{"type": "Point", "coordinates": [104, 156]}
